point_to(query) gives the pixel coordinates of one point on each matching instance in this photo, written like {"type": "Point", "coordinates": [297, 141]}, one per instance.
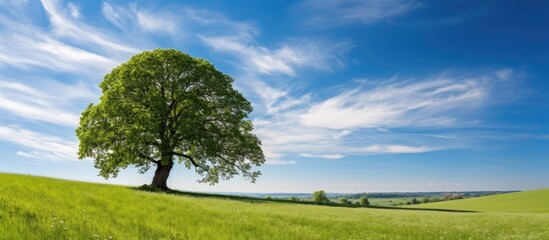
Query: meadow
{"type": "Point", "coordinates": [44, 208]}
{"type": "Point", "coordinates": [528, 201]}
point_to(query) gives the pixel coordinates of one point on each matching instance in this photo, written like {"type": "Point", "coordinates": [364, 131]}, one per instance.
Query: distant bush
{"type": "Point", "coordinates": [268, 197]}
{"type": "Point", "coordinates": [293, 199]}
{"type": "Point", "coordinates": [320, 197]}
{"type": "Point", "coordinates": [343, 201]}
{"type": "Point", "coordinates": [364, 201]}
{"type": "Point", "coordinates": [415, 201]}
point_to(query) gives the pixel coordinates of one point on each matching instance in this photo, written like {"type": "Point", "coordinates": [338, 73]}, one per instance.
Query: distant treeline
{"type": "Point", "coordinates": [420, 194]}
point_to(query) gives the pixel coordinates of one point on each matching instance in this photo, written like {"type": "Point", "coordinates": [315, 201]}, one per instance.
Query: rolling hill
{"type": "Point", "coordinates": [528, 201]}
{"type": "Point", "coordinates": [45, 208]}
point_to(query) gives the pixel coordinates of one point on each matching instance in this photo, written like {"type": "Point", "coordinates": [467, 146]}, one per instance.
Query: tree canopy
{"type": "Point", "coordinates": [164, 106]}
{"type": "Point", "coordinates": [364, 201]}
{"type": "Point", "coordinates": [320, 196]}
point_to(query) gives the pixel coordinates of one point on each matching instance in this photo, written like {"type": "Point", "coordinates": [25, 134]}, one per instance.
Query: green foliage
{"type": "Point", "coordinates": [293, 199]}
{"type": "Point", "coordinates": [453, 196]}
{"type": "Point", "coordinates": [343, 201]}
{"type": "Point", "coordinates": [43, 208]}
{"type": "Point", "coordinates": [320, 197]}
{"type": "Point", "coordinates": [364, 201]}
{"type": "Point", "coordinates": [164, 106]}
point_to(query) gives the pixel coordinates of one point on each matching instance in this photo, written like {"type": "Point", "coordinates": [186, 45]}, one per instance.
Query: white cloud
{"type": "Point", "coordinates": [432, 103]}
{"type": "Point", "coordinates": [504, 74]}
{"type": "Point", "coordinates": [257, 58]}
{"type": "Point", "coordinates": [366, 119]}
{"type": "Point", "coordinates": [52, 147]}
{"type": "Point", "coordinates": [25, 50]}
{"type": "Point", "coordinates": [115, 16]}
{"type": "Point", "coordinates": [156, 23]}
{"type": "Point", "coordinates": [177, 22]}
{"type": "Point", "coordinates": [244, 31]}
{"type": "Point", "coordinates": [274, 99]}
{"type": "Point", "coordinates": [284, 60]}
{"type": "Point", "coordinates": [326, 156]}
{"type": "Point", "coordinates": [327, 13]}
{"type": "Point", "coordinates": [126, 17]}
{"type": "Point", "coordinates": [395, 149]}
{"type": "Point", "coordinates": [39, 113]}
{"type": "Point", "coordinates": [82, 33]}
{"type": "Point", "coordinates": [279, 162]}
{"type": "Point", "coordinates": [75, 13]}
{"type": "Point", "coordinates": [42, 105]}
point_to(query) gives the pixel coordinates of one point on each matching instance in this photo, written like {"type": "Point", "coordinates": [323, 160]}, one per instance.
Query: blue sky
{"type": "Point", "coordinates": [348, 96]}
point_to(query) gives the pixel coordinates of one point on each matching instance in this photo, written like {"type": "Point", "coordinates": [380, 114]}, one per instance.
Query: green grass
{"type": "Point", "coordinates": [389, 201]}
{"type": "Point", "coordinates": [44, 208]}
{"type": "Point", "coordinates": [529, 201]}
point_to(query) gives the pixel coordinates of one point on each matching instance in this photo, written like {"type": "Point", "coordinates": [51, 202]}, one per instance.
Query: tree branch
{"type": "Point", "coordinates": [244, 171]}
{"type": "Point", "coordinates": [195, 164]}
{"type": "Point", "coordinates": [149, 158]}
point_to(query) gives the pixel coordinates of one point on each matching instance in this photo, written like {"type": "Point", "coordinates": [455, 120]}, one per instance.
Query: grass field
{"type": "Point", "coordinates": [529, 201]}
{"type": "Point", "coordinates": [389, 201]}
{"type": "Point", "coordinates": [44, 208]}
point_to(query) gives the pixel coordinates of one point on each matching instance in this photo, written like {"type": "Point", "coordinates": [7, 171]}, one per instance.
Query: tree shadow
{"type": "Point", "coordinates": [256, 200]}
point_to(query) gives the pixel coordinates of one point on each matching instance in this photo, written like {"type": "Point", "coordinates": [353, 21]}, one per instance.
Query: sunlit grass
{"type": "Point", "coordinates": [529, 201]}
{"type": "Point", "coordinates": [43, 208]}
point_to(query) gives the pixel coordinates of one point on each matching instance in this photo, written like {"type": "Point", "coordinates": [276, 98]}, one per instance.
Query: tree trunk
{"type": "Point", "coordinates": [161, 175]}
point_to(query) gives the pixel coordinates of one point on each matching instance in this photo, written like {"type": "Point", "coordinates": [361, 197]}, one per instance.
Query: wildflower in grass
{"type": "Point", "coordinates": [61, 222]}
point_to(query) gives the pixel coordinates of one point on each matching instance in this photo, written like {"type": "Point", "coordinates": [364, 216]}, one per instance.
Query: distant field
{"type": "Point", "coordinates": [529, 201]}
{"type": "Point", "coordinates": [388, 201]}
{"type": "Point", "coordinates": [44, 208]}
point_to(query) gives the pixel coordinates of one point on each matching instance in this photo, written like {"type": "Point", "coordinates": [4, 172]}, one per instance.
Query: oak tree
{"type": "Point", "coordinates": [164, 107]}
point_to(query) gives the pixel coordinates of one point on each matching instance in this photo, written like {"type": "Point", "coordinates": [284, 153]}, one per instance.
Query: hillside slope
{"type": "Point", "coordinates": [44, 208]}
{"type": "Point", "coordinates": [528, 201]}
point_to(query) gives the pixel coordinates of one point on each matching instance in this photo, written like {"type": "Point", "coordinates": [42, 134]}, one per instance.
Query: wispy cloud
{"type": "Point", "coordinates": [443, 101]}
{"type": "Point", "coordinates": [118, 16]}
{"type": "Point", "coordinates": [279, 162]}
{"type": "Point", "coordinates": [125, 17]}
{"type": "Point", "coordinates": [326, 156]}
{"type": "Point", "coordinates": [396, 149]}
{"type": "Point", "coordinates": [330, 13]}
{"type": "Point", "coordinates": [64, 25]}
{"type": "Point", "coordinates": [43, 106]}
{"type": "Point", "coordinates": [359, 120]}
{"type": "Point", "coordinates": [154, 23]}
{"type": "Point", "coordinates": [285, 59]}
{"type": "Point", "coordinates": [74, 11]}
{"type": "Point", "coordinates": [39, 145]}
{"type": "Point", "coordinates": [25, 50]}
